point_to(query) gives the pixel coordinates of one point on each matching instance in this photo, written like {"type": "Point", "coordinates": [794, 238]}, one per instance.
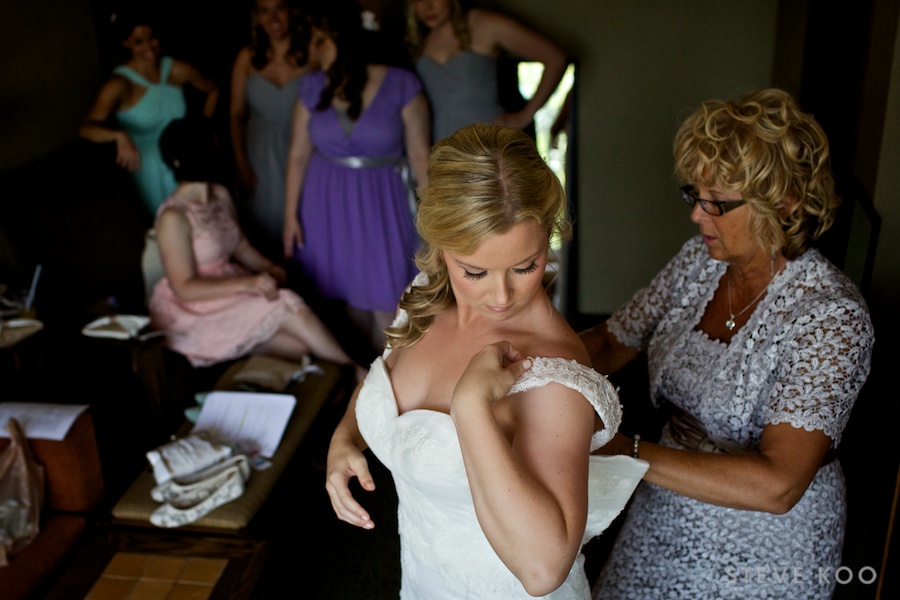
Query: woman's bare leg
{"type": "Point", "coordinates": [311, 332]}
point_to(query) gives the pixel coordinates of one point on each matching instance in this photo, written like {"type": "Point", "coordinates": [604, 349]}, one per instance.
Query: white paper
{"type": "Point", "coordinates": [247, 417]}
{"type": "Point", "coordinates": [40, 420]}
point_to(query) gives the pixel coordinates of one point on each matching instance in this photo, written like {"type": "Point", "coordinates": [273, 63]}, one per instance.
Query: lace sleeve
{"type": "Point", "coordinates": [589, 383]}
{"type": "Point", "coordinates": [634, 322]}
{"type": "Point", "coordinates": [830, 358]}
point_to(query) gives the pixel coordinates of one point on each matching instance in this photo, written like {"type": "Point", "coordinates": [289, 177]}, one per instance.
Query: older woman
{"type": "Point", "coordinates": [757, 346]}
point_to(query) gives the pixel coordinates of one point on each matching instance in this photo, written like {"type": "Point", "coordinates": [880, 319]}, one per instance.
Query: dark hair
{"type": "Point", "coordinates": [342, 21]}
{"type": "Point", "coordinates": [298, 25]}
{"type": "Point", "coordinates": [123, 21]}
{"type": "Point", "coordinates": [189, 148]}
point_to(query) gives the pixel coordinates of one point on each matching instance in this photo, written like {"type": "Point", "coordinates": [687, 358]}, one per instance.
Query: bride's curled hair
{"type": "Point", "coordinates": [482, 181]}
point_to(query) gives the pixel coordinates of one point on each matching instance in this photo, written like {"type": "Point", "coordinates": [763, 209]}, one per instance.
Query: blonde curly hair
{"type": "Point", "coordinates": [762, 146]}
{"type": "Point", "coordinates": [482, 181]}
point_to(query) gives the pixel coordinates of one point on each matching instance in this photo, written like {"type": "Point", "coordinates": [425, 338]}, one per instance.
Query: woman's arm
{"type": "Point", "coordinates": [529, 489]}
{"type": "Point", "coordinates": [346, 461]}
{"type": "Point", "coordinates": [771, 480]}
{"type": "Point", "coordinates": [298, 159]}
{"type": "Point", "coordinates": [96, 128]}
{"type": "Point", "coordinates": [238, 120]}
{"type": "Point", "coordinates": [184, 73]}
{"type": "Point", "coordinates": [417, 137]}
{"type": "Point", "coordinates": [608, 354]}
{"type": "Point", "coordinates": [815, 382]}
{"type": "Point", "coordinates": [510, 35]}
{"type": "Point", "coordinates": [246, 254]}
{"type": "Point", "coordinates": [173, 234]}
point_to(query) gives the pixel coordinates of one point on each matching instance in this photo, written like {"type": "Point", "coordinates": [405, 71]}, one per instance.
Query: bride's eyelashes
{"type": "Point", "coordinates": [476, 276]}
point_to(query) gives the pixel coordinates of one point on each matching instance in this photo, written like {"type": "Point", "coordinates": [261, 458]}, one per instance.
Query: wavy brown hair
{"type": "Point", "coordinates": [482, 181]}
{"type": "Point", "coordinates": [762, 146]}
{"type": "Point", "coordinates": [341, 20]}
{"type": "Point", "coordinates": [261, 45]}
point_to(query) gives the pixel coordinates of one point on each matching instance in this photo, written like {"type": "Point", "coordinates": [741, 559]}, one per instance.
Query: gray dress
{"type": "Point", "coordinates": [461, 92]}
{"type": "Point", "coordinates": [801, 359]}
{"type": "Point", "coordinates": [268, 141]}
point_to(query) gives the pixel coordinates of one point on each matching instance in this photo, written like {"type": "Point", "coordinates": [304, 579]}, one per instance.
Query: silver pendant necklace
{"type": "Point", "coordinates": [730, 324]}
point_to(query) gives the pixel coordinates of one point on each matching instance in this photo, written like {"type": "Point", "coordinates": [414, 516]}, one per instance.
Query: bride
{"type": "Point", "coordinates": [482, 405]}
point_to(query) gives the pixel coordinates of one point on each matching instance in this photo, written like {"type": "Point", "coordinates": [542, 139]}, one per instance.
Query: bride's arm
{"type": "Point", "coordinates": [530, 495]}
{"type": "Point", "coordinates": [346, 461]}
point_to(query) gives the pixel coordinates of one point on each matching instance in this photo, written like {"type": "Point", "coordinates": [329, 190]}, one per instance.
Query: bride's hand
{"type": "Point", "coordinates": [489, 375]}
{"type": "Point", "coordinates": [346, 461]}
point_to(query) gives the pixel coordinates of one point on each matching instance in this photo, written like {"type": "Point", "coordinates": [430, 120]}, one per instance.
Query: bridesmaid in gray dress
{"type": "Point", "coordinates": [456, 52]}
{"type": "Point", "coordinates": [263, 93]}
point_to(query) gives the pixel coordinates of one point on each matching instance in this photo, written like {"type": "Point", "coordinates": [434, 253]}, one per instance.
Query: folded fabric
{"type": "Point", "coordinates": [611, 482]}
{"type": "Point", "coordinates": [186, 456]}
{"type": "Point", "coordinates": [120, 327]}
{"type": "Point", "coordinates": [275, 374]}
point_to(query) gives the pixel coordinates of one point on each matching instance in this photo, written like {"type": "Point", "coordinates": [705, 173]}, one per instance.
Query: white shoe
{"type": "Point", "coordinates": [193, 488]}
{"type": "Point", "coordinates": [227, 485]}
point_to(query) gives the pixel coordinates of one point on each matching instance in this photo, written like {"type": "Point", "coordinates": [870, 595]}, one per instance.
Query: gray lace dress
{"type": "Point", "coordinates": [801, 359]}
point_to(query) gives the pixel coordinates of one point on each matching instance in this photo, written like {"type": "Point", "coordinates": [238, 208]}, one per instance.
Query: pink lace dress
{"type": "Point", "coordinates": [212, 331]}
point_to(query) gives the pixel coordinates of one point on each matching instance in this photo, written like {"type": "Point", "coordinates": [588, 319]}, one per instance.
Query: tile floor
{"type": "Point", "coordinates": [135, 576]}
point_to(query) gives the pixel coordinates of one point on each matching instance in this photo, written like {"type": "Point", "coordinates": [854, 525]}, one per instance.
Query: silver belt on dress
{"type": "Point", "coordinates": [363, 162]}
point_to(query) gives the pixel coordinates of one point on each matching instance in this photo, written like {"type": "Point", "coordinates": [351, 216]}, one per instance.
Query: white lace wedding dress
{"type": "Point", "coordinates": [801, 359]}
{"type": "Point", "coordinates": [444, 554]}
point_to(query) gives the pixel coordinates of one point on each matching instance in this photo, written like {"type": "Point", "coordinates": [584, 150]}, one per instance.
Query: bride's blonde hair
{"type": "Point", "coordinates": [482, 181]}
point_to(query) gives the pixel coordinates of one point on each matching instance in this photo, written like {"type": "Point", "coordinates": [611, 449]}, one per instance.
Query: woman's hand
{"type": "Point", "coordinates": [246, 177]}
{"type": "Point", "coordinates": [127, 155]}
{"type": "Point", "coordinates": [293, 236]}
{"type": "Point", "coordinates": [346, 461]}
{"type": "Point", "coordinates": [277, 272]}
{"type": "Point", "coordinates": [490, 374]}
{"type": "Point", "coordinates": [265, 285]}
{"type": "Point", "coordinates": [520, 119]}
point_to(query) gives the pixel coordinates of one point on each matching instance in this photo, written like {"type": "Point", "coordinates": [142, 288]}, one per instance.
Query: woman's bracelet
{"type": "Point", "coordinates": [636, 446]}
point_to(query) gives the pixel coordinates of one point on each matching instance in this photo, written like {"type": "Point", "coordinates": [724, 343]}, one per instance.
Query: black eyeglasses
{"type": "Point", "coordinates": [716, 208]}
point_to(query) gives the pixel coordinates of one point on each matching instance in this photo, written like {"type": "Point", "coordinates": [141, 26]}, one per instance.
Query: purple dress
{"type": "Point", "coordinates": [358, 230]}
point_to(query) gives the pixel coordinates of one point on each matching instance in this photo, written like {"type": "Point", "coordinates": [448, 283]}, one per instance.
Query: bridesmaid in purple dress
{"type": "Point", "coordinates": [348, 219]}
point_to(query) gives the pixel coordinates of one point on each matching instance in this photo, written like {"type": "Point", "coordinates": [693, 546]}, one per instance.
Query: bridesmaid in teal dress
{"type": "Point", "coordinates": [263, 92]}
{"type": "Point", "coordinates": [134, 106]}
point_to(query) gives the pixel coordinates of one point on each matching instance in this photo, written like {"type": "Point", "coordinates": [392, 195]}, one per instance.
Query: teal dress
{"type": "Point", "coordinates": [144, 122]}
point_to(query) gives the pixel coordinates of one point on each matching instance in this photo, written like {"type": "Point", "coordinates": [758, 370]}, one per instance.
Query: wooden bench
{"type": "Point", "coordinates": [317, 391]}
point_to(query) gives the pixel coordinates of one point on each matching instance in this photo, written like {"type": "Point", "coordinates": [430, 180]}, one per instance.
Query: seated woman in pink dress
{"type": "Point", "coordinates": [220, 297]}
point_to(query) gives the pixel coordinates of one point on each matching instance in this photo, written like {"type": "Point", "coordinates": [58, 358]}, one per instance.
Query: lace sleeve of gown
{"type": "Point", "coordinates": [589, 383]}
{"type": "Point", "coordinates": [611, 479]}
